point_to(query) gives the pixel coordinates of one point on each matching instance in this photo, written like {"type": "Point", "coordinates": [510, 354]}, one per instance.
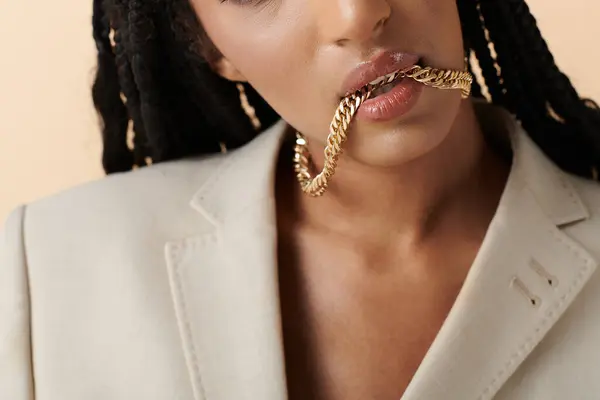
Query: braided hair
{"type": "Point", "coordinates": [159, 99]}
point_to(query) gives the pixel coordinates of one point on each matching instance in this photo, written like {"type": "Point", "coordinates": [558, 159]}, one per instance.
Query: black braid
{"type": "Point", "coordinates": [515, 65]}
{"type": "Point", "coordinates": [106, 94]}
{"type": "Point", "coordinates": [476, 40]}
{"type": "Point", "coordinates": [179, 107]}
{"type": "Point", "coordinates": [530, 85]}
{"type": "Point", "coordinates": [475, 87]}
{"type": "Point", "coordinates": [143, 59]}
{"type": "Point", "coordinates": [126, 80]}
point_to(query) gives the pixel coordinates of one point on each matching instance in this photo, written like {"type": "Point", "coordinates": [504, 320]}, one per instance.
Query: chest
{"type": "Point", "coordinates": [356, 331]}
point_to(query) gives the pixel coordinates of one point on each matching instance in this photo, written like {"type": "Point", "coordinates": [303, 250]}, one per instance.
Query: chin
{"type": "Point", "coordinates": [394, 143]}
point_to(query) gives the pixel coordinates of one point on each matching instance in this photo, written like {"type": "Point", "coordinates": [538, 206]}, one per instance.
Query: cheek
{"type": "Point", "coordinates": [446, 32]}
{"type": "Point", "coordinates": [273, 51]}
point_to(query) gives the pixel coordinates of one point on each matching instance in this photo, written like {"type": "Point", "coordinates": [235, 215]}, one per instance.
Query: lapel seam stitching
{"type": "Point", "coordinates": [574, 196]}
{"type": "Point", "coordinates": [232, 159]}
{"type": "Point", "coordinates": [175, 257]}
{"type": "Point", "coordinates": [209, 185]}
{"type": "Point", "coordinates": [585, 266]}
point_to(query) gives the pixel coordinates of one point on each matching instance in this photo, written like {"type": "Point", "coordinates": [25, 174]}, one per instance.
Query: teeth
{"type": "Point", "coordinates": [389, 78]}
{"type": "Point", "coordinates": [383, 89]}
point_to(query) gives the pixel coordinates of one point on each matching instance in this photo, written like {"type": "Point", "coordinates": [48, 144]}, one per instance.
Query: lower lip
{"type": "Point", "coordinates": [393, 104]}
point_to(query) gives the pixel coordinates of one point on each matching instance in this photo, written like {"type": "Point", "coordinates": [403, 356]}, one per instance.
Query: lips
{"type": "Point", "coordinates": [383, 63]}
{"type": "Point", "coordinates": [393, 104]}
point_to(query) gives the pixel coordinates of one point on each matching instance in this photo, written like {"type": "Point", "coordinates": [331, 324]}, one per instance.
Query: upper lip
{"type": "Point", "coordinates": [382, 63]}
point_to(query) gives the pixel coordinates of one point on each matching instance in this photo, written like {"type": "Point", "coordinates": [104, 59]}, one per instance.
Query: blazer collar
{"type": "Point", "coordinates": [225, 284]}
{"type": "Point", "coordinates": [244, 178]}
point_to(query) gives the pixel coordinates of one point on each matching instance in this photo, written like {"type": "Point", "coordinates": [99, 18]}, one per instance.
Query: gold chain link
{"type": "Point", "coordinates": [441, 79]}
{"type": "Point", "coordinates": [338, 129]}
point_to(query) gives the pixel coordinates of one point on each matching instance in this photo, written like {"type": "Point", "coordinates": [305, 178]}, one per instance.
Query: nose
{"type": "Point", "coordinates": [344, 22]}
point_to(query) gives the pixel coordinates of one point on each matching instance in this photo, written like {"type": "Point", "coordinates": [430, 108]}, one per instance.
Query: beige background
{"type": "Point", "coordinates": [48, 134]}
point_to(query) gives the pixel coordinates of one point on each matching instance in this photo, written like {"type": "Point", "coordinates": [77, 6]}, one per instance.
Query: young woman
{"type": "Point", "coordinates": [451, 256]}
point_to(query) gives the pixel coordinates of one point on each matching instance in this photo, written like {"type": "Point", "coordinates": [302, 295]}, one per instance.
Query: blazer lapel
{"type": "Point", "coordinates": [524, 278]}
{"type": "Point", "coordinates": [225, 284]}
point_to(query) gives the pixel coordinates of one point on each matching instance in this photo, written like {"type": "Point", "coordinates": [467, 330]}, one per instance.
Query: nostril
{"type": "Point", "coordinates": [358, 25]}
{"type": "Point", "coordinates": [382, 22]}
{"type": "Point", "coordinates": [341, 42]}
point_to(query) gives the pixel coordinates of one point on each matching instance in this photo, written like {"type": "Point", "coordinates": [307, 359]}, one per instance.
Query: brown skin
{"type": "Point", "coordinates": [369, 272]}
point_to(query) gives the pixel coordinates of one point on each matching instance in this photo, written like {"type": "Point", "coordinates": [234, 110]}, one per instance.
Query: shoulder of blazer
{"type": "Point", "coordinates": [143, 200]}
{"type": "Point", "coordinates": [150, 203]}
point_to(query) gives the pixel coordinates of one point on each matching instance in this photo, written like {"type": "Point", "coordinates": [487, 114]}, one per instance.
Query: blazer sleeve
{"type": "Point", "coordinates": [16, 374]}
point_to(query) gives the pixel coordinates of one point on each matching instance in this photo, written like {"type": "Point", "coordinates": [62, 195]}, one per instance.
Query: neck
{"type": "Point", "coordinates": [460, 179]}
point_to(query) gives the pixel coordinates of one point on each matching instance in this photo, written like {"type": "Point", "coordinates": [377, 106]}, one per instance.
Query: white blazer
{"type": "Point", "coordinates": [161, 284]}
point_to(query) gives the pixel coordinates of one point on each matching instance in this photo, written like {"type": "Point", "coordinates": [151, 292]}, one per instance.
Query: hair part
{"type": "Point", "coordinates": [156, 84]}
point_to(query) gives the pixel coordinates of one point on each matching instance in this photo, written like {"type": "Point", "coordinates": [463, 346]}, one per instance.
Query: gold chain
{"type": "Point", "coordinates": [337, 136]}
{"type": "Point", "coordinates": [441, 79]}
